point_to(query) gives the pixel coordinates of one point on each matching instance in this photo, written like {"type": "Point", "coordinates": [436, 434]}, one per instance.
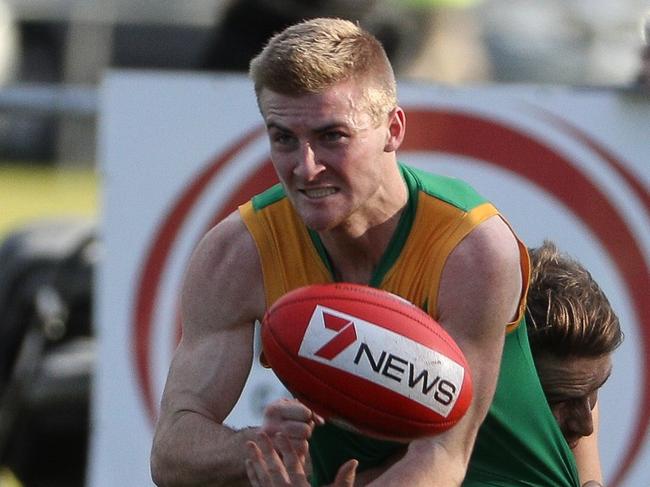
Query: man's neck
{"type": "Point", "coordinates": [355, 255]}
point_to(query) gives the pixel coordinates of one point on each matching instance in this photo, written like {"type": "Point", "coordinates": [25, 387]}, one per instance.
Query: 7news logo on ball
{"type": "Point", "coordinates": [383, 357]}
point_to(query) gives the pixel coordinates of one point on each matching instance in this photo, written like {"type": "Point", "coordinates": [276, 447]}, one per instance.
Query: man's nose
{"type": "Point", "coordinates": [581, 420]}
{"type": "Point", "coordinates": [307, 166]}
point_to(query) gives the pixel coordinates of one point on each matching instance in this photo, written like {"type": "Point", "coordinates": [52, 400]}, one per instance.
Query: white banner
{"type": "Point", "coordinates": [178, 152]}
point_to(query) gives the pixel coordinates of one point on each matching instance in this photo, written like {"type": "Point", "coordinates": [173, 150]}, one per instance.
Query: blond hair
{"type": "Point", "coordinates": [568, 314]}
{"type": "Point", "coordinates": [313, 55]}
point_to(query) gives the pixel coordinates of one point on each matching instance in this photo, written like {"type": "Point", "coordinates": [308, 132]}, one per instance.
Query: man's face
{"type": "Point", "coordinates": [571, 387]}
{"type": "Point", "coordinates": [329, 154]}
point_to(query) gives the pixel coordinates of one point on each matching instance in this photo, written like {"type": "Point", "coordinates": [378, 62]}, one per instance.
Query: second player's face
{"type": "Point", "coordinates": [571, 386]}
{"type": "Point", "coordinates": [329, 154]}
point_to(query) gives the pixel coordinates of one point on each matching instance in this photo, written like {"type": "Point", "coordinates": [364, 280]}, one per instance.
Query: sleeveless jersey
{"type": "Point", "coordinates": [519, 443]}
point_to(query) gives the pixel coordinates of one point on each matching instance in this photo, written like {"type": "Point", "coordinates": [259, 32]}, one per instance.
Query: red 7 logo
{"type": "Point", "coordinates": [347, 336]}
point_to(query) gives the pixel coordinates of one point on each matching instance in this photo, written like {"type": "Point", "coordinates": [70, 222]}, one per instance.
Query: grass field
{"type": "Point", "coordinates": [7, 479]}
{"type": "Point", "coordinates": [30, 192]}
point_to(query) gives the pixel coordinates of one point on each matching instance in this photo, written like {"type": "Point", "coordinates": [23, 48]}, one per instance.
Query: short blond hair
{"type": "Point", "coordinates": [568, 314]}
{"type": "Point", "coordinates": [313, 55]}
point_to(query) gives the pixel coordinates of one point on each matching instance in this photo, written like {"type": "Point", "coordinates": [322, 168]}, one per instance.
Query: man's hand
{"type": "Point", "coordinates": [293, 419]}
{"type": "Point", "coordinates": [268, 467]}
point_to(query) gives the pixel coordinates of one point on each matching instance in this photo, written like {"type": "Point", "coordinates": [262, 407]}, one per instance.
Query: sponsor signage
{"type": "Point", "coordinates": [179, 152]}
{"type": "Point", "coordinates": [383, 357]}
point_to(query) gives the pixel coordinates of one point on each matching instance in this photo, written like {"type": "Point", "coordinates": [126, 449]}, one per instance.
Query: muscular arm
{"type": "Point", "coordinates": [479, 291]}
{"type": "Point", "coordinates": [221, 298]}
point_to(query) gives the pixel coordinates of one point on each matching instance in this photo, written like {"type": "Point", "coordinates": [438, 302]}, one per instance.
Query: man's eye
{"type": "Point", "coordinates": [563, 401]}
{"type": "Point", "coordinates": [282, 139]}
{"type": "Point", "coordinates": [333, 136]}
{"type": "Point", "coordinates": [574, 402]}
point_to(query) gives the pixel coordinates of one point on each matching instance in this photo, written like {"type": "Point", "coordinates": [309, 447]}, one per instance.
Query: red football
{"type": "Point", "coordinates": [368, 360]}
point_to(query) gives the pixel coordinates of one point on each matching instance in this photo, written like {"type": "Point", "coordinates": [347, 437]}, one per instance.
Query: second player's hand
{"type": "Point", "coordinates": [292, 419]}
{"type": "Point", "coordinates": [278, 464]}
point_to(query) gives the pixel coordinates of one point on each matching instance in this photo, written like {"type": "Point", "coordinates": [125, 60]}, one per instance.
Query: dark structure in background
{"type": "Point", "coordinates": [27, 136]}
{"type": "Point", "coordinates": [72, 42]}
{"type": "Point", "coordinates": [47, 351]}
{"type": "Point", "coordinates": [56, 51]}
{"type": "Point", "coordinates": [243, 29]}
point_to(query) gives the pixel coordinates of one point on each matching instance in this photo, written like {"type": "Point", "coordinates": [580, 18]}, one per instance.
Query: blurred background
{"type": "Point", "coordinates": [53, 55]}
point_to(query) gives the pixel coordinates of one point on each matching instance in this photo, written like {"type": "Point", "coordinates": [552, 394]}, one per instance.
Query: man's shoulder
{"type": "Point", "coordinates": [224, 276]}
{"type": "Point", "coordinates": [491, 244]}
{"type": "Point", "coordinates": [452, 190]}
{"type": "Point", "coordinates": [225, 251]}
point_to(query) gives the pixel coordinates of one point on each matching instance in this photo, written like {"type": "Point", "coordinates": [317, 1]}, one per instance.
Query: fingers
{"type": "Point", "coordinates": [292, 410]}
{"type": "Point", "coordinates": [346, 475]}
{"type": "Point", "coordinates": [292, 429]}
{"type": "Point", "coordinates": [292, 418]}
{"type": "Point", "coordinates": [274, 464]}
{"type": "Point", "coordinates": [317, 418]}
{"type": "Point", "coordinates": [277, 464]}
{"type": "Point", "coordinates": [251, 473]}
{"type": "Point", "coordinates": [294, 460]}
{"type": "Point", "coordinates": [263, 465]}
{"type": "Point", "coordinates": [255, 465]}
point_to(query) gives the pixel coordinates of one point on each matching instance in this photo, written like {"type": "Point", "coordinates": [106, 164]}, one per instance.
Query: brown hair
{"type": "Point", "coordinates": [313, 55]}
{"type": "Point", "coordinates": [566, 311]}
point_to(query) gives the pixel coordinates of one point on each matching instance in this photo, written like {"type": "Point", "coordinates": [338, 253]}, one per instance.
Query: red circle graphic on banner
{"type": "Point", "coordinates": [447, 132]}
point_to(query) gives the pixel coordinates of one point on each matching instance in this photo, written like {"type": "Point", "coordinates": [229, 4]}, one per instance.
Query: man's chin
{"type": "Point", "coordinates": [320, 221]}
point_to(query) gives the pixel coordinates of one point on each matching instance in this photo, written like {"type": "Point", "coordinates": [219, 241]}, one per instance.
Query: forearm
{"type": "Point", "coordinates": [195, 450]}
{"type": "Point", "coordinates": [427, 463]}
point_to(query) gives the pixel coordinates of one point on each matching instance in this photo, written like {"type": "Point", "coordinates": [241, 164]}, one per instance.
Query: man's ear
{"type": "Point", "coordinates": [396, 129]}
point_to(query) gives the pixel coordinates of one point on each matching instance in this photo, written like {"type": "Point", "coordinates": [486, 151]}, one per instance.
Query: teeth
{"type": "Point", "coordinates": [319, 192]}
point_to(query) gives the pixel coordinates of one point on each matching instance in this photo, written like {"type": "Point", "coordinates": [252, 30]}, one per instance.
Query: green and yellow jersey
{"type": "Point", "coordinates": [520, 442]}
